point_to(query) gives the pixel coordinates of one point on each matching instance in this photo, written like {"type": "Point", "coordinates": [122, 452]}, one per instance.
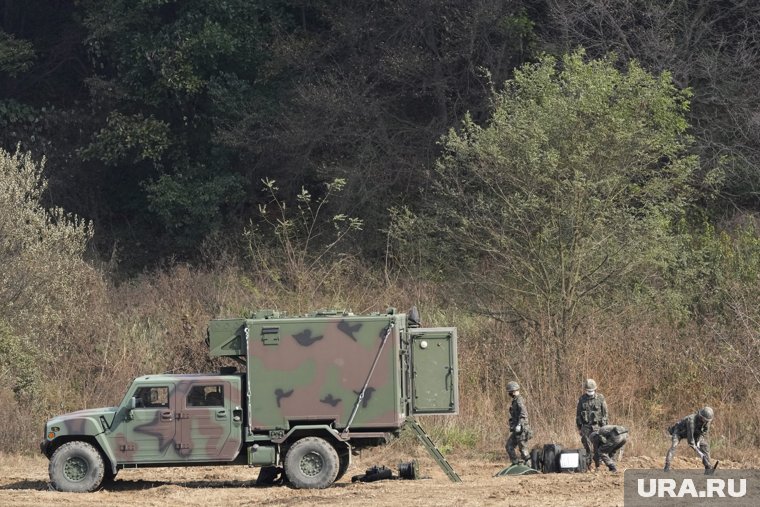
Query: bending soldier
{"type": "Point", "coordinates": [518, 425]}
{"type": "Point", "coordinates": [693, 428]}
{"type": "Point", "coordinates": [607, 441]}
{"type": "Point", "coordinates": [590, 415]}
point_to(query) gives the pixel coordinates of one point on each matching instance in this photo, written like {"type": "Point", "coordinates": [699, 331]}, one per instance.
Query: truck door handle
{"type": "Point", "coordinates": [221, 414]}
{"type": "Point", "coordinates": [166, 415]}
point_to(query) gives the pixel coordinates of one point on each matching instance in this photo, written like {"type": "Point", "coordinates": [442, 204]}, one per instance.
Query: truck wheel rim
{"type": "Point", "coordinates": [311, 464]}
{"type": "Point", "coordinates": [75, 469]}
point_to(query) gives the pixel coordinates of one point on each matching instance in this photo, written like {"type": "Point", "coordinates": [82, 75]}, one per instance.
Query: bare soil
{"type": "Point", "coordinates": [24, 481]}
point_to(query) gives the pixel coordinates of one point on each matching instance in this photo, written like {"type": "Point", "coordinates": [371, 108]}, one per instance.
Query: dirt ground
{"type": "Point", "coordinates": [23, 482]}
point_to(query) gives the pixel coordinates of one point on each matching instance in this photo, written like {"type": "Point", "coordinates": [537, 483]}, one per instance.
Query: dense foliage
{"type": "Point", "coordinates": [573, 183]}
{"type": "Point", "coordinates": [569, 194]}
{"type": "Point", "coordinates": [160, 118]}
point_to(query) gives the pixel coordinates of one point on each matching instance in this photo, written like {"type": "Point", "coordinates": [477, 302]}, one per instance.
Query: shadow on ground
{"type": "Point", "coordinates": [136, 485]}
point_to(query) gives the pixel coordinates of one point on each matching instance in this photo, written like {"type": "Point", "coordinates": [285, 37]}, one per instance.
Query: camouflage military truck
{"type": "Point", "coordinates": [309, 391]}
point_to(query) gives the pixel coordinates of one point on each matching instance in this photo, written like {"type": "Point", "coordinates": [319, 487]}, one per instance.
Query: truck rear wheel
{"type": "Point", "coordinates": [311, 463]}
{"type": "Point", "coordinates": [76, 467]}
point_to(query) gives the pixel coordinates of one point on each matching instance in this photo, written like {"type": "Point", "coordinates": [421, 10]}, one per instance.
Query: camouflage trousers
{"type": "Point", "coordinates": [607, 452]}
{"type": "Point", "coordinates": [586, 432]}
{"type": "Point", "coordinates": [517, 442]}
{"type": "Point", "coordinates": [701, 445]}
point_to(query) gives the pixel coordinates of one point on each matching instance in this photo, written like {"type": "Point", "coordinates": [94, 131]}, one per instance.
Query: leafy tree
{"type": "Point", "coordinates": [168, 74]}
{"type": "Point", "coordinates": [708, 46]}
{"type": "Point", "coordinates": [366, 88]}
{"type": "Point", "coordinates": [43, 98]}
{"type": "Point", "coordinates": [159, 117]}
{"type": "Point", "coordinates": [42, 272]}
{"type": "Point", "coordinates": [567, 197]}
{"type": "Point", "coordinates": [19, 364]}
{"type": "Point", "coordinates": [15, 55]}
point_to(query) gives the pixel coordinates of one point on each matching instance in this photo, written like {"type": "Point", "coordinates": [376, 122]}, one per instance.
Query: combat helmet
{"type": "Point", "coordinates": [706, 413]}
{"type": "Point", "coordinates": [512, 386]}
{"type": "Point", "coordinates": [589, 384]}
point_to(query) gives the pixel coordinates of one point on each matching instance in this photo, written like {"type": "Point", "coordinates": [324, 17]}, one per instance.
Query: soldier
{"type": "Point", "coordinates": [518, 425]}
{"type": "Point", "coordinates": [693, 428]}
{"type": "Point", "coordinates": [144, 398]}
{"type": "Point", "coordinates": [607, 441]}
{"type": "Point", "coordinates": [590, 415]}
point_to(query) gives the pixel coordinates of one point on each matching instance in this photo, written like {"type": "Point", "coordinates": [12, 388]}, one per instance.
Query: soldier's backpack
{"type": "Point", "coordinates": [375, 473]}
{"type": "Point", "coordinates": [573, 460]}
{"type": "Point", "coordinates": [270, 476]}
{"type": "Point", "coordinates": [537, 458]}
{"type": "Point", "coordinates": [550, 458]}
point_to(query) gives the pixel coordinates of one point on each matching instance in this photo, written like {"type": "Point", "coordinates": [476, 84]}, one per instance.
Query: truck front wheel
{"type": "Point", "coordinates": [311, 463]}
{"type": "Point", "coordinates": [76, 467]}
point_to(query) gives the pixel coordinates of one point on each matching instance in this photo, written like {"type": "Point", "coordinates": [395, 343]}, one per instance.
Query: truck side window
{"type": "Point", "coordinates": [196, 397]}
{"type": "Point", "coordinates": [152, 397]}
{"type": "Point", "coordinates": [205, 396]}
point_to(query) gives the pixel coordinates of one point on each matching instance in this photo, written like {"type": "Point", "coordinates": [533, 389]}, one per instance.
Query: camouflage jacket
{"type": "Point", "coordinates": [591, 411]}
{"type": "Point", "coordinates": [692, 428]}
{"type": "Point", "coordinates": [610, 433]}
{"type": "Point", "coordinates": [518, 414]}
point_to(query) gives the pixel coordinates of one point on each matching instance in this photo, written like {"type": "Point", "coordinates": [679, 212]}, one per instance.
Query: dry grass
{"type": "Point", "coordinates": [651, 373]}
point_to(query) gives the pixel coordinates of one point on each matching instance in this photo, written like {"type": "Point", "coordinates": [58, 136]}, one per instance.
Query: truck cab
{"type": "Point", "coordinates": [162, 420]}
{"type": "Point", "coordinates": [178, 418]}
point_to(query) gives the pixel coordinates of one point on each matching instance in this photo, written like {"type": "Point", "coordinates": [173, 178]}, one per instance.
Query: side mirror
{"type": "Point", "coordinates": [130, 407]}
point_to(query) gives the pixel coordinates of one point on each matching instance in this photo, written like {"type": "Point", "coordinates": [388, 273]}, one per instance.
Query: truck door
{"type": "Point", "coordinates": [150, 429]}
{"type": "Point", "coordinates": [433, 371]}
{"type": "Point", "coordinates": [209, 420]}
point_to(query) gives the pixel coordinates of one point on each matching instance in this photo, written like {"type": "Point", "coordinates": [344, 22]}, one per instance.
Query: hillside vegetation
{"type": "Point", "coordinates": [571, 184]}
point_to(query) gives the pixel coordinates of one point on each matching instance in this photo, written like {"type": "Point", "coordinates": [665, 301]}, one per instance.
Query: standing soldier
{"type": "Point", "coordinates": [590, 415]}
{"type": "Point", "coordinates": [607, 441]}
{"type": "Point", "coordinates": [693, 428]}
{"type": "Point", "coordinates": [518, 425]}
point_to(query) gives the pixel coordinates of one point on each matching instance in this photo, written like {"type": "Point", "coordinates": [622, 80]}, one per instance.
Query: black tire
{"type": "Point", "coordinates": [76, 467]}
{"type": "Point", "coordinates": [311, 463]}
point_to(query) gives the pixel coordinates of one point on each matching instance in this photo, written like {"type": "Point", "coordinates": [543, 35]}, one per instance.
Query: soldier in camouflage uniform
{"type": "Point", "coordinates": [607, 441]}
{"type": "Point", "coordinates": [590, 415]}
{"type": "Point", "coordinates": [518, 425]}
{"type": "Point", "coordinates": [693, 428]}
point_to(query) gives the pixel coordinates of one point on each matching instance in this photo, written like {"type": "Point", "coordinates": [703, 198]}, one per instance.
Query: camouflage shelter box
{"type": "Point", "coordinates": [315, 367]}
{"type": "Point", "coordinates": [311, 390]}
